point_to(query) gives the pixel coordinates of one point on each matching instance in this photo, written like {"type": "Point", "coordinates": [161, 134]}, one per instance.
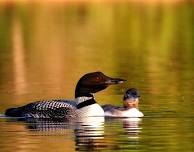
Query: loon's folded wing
{"type": "Point", "coordinates": [55, 109]}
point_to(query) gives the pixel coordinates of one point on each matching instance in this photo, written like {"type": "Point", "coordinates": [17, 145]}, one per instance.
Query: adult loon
{"type": "Point", "coordinates": [130, 106]}
{"type": "Point", "coordinates": [84, 104]}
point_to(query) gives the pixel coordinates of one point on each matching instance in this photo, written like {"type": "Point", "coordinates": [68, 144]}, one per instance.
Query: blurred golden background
{"type": "Point", "coordinates": [45, 47]}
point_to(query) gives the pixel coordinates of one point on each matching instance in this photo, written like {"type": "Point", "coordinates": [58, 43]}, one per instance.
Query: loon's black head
{"type": "Point", "coordinates": [131, 94]}
{"type": "Point", "coordinates": [94, 82]}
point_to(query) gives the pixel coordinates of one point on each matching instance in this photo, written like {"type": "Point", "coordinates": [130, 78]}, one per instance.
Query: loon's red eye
{"type": "Point", "coordinates": [98, 78]}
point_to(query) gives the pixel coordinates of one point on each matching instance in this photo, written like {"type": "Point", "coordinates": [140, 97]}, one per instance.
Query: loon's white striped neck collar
{"type": "Point", "coordinates": [84, 101]}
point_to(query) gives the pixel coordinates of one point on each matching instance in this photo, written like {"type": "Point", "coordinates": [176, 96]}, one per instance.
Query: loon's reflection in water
{"type": "Point", "coordinates": [89, 132]}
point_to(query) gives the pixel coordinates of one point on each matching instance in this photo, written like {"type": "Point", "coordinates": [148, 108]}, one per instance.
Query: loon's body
{"type": "Point", "coordinates": [56, 109]}
{"type": "Point", "coordinates": [45, 109]}
{"type": "Point", "coordinates": [84, 104]}
{"type": "Point", "coordinates": [130, 106]}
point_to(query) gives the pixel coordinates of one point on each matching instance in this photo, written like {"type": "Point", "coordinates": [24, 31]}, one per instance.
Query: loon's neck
{"type": "Point", "coordinates": [81, 92]}
{"type": "Point", "coordinates": [83, 97]}
{"type": "Point", "coordinates": [84, 102]}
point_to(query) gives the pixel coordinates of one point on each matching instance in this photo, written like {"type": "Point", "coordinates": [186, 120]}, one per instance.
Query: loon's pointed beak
{"type": "Point", "coordinates": [114, 81]}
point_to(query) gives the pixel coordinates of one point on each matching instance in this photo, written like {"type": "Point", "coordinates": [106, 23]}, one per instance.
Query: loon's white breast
{"type": "Point", "coordinates": [91, 111]}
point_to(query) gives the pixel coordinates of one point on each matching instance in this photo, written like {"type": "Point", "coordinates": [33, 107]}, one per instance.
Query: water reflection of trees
{"type": "Point", "coordinates": [54, 40]}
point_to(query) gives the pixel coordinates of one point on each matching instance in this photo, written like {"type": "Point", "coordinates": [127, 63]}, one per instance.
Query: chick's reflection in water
{"type": "Point", "coordinates": [89, 134]}
{"type": "Point", "coordinates": [132, 128]}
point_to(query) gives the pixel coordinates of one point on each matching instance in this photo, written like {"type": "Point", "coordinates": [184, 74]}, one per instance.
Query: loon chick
{"type": "Point", "coordinates": [84, 104]}
{"type": "Point", "coordinates": [130, 106]}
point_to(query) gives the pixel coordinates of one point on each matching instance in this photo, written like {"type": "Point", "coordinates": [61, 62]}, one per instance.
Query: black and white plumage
{"type": "Point", "coordinates": [45, 109]}
{"type": "Point", "coordinates": [84, 104]}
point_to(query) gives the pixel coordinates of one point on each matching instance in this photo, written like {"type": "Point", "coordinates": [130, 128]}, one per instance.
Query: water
{"type": "Point", "coordinates": [46, 47]}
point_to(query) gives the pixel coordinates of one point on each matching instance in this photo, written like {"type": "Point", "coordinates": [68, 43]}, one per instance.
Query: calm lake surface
{"type": "Point", "coordinates": [46, 47]}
